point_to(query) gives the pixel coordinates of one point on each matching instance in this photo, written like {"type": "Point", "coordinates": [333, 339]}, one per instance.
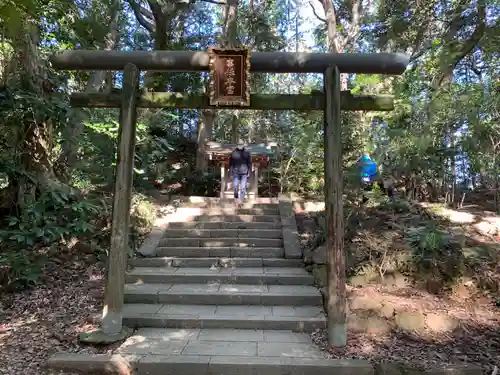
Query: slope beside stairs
{"type": "Point", "coordinates": [220, 291]}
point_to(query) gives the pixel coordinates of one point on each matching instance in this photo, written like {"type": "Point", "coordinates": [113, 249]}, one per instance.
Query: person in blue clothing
{"type": "Point", "coordinates": [368, 173]}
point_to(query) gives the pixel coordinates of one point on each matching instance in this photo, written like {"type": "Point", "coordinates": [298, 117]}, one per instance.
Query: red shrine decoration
{"type": "Point", "coordinates": [220, 153]}
{"type": "Point", "coordinates": [261, 161]}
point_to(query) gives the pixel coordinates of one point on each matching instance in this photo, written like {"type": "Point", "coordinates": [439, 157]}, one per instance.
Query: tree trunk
{"type": "Point", "coordinates": [496, 183]}
{"type": "Point", "coordinates": [227, 39]}
{"type": "Point", "coordinates": [154, 80]}
{"type": "Point", "coordinates": [35, 133]}
{"type": "Point", "coordinates": [234, 127]}
{"type": "Point", "coordinates": [109, 81]}
{"type": "Point", "coordinates": [229, 35]}
{"type": "Point", "coordinates": [453, 168]}
{"type": "Point", "coordinates": [205, 127]}
{"type": "Point", "coordinates": [67, 160]}
{"type": "Point", "coordinates": [251, 128]}
{"type": "Point", "coordinates": [336, 42]}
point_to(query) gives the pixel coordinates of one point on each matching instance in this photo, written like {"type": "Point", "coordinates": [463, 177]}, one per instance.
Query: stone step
{"type": "Point", "coordinates": [224, 294]}
{"type": "Point", "coordinates": [226, 262]}
{"type": "Point", "coordinates": [236, 252]}
{"type": "Point", "coordinates": [224, 225]}
{"type": "Point", "coordinates": [223, 233]}
{"type": "Point", "coordinates": [221, 242]}
{"type": "Point", "coordinates": [166, 351]}
{"type": "Point", "coordinates": [231, 204]}
{"type": "Point", "coordinates": [293, 318]}
{"type": "Point", "coordinates": [238, 218]}
{"type": "Point", "coordinates": [198, 201]}
{"type": "Point", "coordinates": [249, 275]}
{"type": "Point", "coordinates": [239, 211]}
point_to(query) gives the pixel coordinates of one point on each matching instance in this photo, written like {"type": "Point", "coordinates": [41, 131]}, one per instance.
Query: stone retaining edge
{"type": "Point", "coordinates": [101, 364]}
{"type": "Point", "coordinates": [291, 242]}
{"type": "Point", "coordinates": [148, 248]}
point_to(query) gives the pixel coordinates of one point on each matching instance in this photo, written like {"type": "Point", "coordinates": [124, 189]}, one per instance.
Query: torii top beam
{"type": "Point", "coordinates": [261, 62]}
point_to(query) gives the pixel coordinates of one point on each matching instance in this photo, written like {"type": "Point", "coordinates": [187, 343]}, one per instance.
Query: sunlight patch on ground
{"type": "Point", "coordinates": [95, 276]}
{"type": "Point", "coordinates": [489, 225]}
{"type": "Point", "coordinates": [308, 206]}
{"type": "Point", "coordinates": [457, 217]}
{"type": "Point", "coordinates": [9, 329]}
{"type": "Point", "coordinates": [181, 334]}
{"type": "Point", "coordinates": [180, 215]}
{"type": "Point", "coordinates": [196, 199]}
{"type": "Point", "coordinates": [484, 222]}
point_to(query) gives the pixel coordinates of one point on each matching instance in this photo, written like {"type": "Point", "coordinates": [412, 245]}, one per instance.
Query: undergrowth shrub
{"type": "Point", "coordinates": [20, 269]}
{"type": "Point", "coordinates": [55, 217]}
{"type": "Point", "coordinates": [201, 184]}
{"type": "Point", "coordinates": [142, 217]}
{"type": "Point", "coordinates": [398, 237]}
{"type": "Point", "coordinates": [52, 217]}
{"type": "Point", "coordinates": [435, 258]}
{"type": "Point", "coordinates": [56, 221]}
{"type": "Point", "coordinates": [321, 229]}
{"type": "Point", "coordinates": [399, 206]}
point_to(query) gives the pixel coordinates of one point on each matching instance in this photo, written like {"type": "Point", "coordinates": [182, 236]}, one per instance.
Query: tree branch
{"type": "Point", "coordinates": [331, 26]}
{"type": "Point", "coordinates": [214, 2]}
{"type": "Point", "coordinates": [422, 50]}
{"type": "Point", "coordinates": [458, 50]}
{"type": "Point", "coordinates": [315, 13]}
{"type": "Point", "coordinates": [161, 28]}
{"type": "Point", "coordinates": [139, 14]}
{"type": "Point", "coordinates": [475, 68]}
{"type": "Point", "coordinates": [146, 13]}
{"type": "Point", "coordinates": [354, 28]}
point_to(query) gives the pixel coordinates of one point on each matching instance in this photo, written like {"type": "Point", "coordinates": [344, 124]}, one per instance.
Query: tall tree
{"type": "Point", "coordinates": [27, 73]}
{"type": "Point", "coordinates": [68, 155]}
{"type": "Point", "coordinates": [227, 39]}
{"type": "Point", "coordinates": [445, 39]}
{"type": "Point", "coordinates": [343, 21]}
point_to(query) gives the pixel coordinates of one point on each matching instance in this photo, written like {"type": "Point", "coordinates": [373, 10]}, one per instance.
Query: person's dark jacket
{"type": "Point", "coordinates": [240, 162]}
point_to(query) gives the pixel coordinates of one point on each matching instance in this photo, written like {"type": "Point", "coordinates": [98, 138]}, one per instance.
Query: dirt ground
{"type": "Point", "coordinates": [40, 322]}
{"type": "Point", "coordinates": [402, 322]}
{"type": "Point", "coordinates": [44, 320]}
{"type": "Point", "coordinates": [418, 330]}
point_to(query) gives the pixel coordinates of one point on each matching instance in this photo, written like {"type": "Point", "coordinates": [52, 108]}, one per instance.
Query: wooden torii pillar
{"type": "Point", "coordinates": [330, 64]}
{"type": "Point", "coordinates": [112, 329]}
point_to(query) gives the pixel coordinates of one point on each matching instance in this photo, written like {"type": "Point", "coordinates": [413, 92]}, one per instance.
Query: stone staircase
{"type": "Point", "coordinates": [217, 296]}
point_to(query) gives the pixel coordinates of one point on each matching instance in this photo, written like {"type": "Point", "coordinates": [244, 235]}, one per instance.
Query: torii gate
{"type": "Point", "coordinates": [331, 101]}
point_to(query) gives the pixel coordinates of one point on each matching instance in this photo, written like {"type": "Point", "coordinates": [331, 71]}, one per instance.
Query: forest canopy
{"type": "Point", "coordinates": [443, 135]}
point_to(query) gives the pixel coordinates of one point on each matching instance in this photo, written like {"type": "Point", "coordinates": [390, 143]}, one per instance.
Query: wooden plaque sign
{"type": "Point", "coordinates": [229, 77]}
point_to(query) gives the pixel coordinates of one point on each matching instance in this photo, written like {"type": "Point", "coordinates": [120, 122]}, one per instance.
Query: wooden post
{"type": "Point", "coordinates": [113, 302]}
{"type": "Point", "coordinates": [222, 180]}
{"type": "Point", "coordinates": [255, 185]}
{"type": "Point", "coordinates": [337, 325]}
